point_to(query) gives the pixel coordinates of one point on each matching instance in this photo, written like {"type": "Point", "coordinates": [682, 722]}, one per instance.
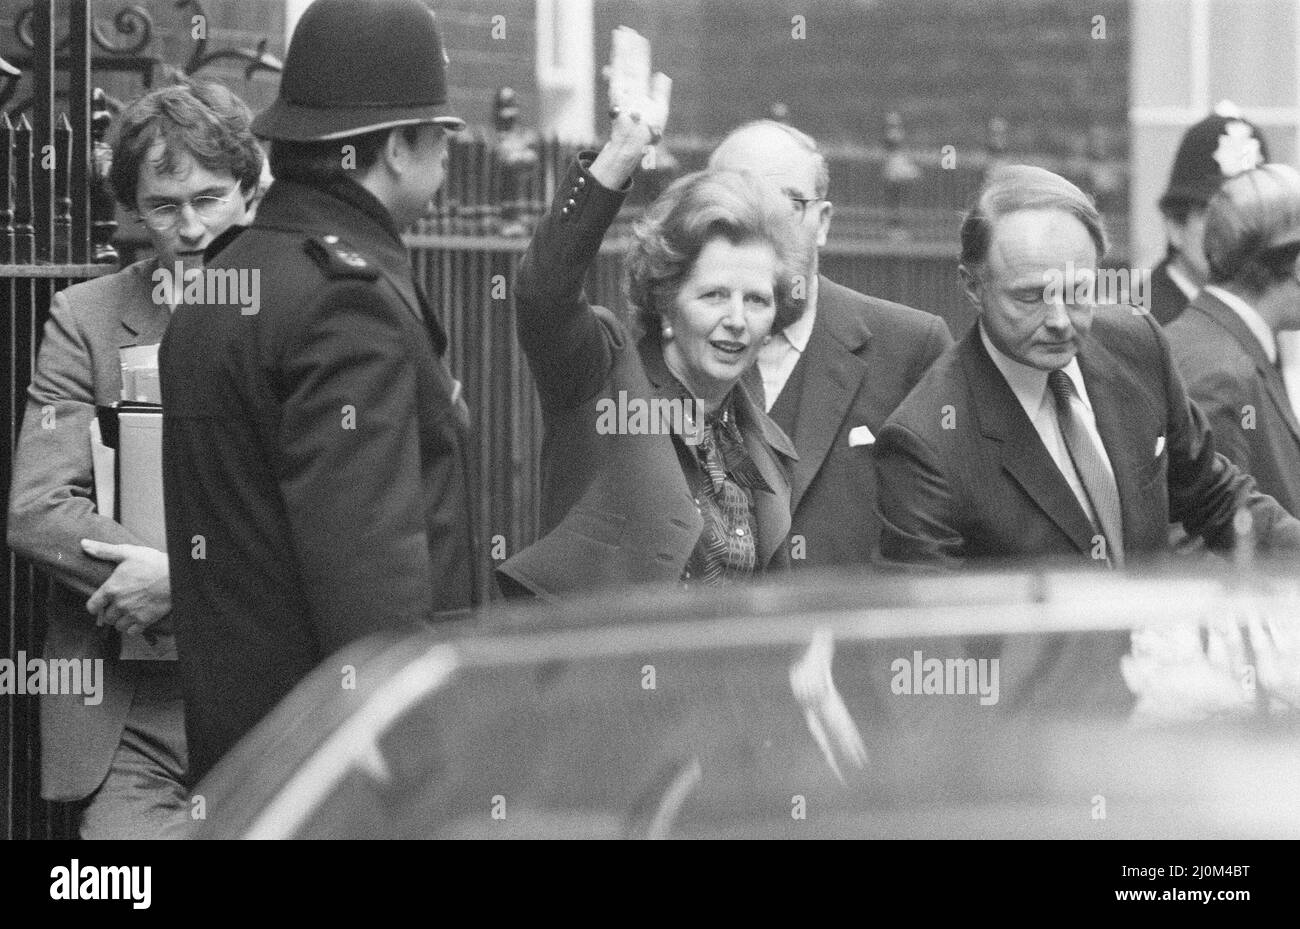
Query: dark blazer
{"type": "Point", "coordinates": [1242, 395]}
{"type": "Point", "coordinates": [986, 488]}
{"type": "Point", "coordinates": [616, 509]}
{"type": "Point", "coordinates": [52, 508]}
{"type": "Point", "coordinates": [313, 461]}
{"type": "Point", "coordinates": [863, 357]}
{"type": "Point", "coordinates": [1167, 299]}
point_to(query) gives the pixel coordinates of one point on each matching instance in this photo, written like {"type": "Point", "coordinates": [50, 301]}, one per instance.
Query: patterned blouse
{"type": "Point", "coordinates": [723, 479]}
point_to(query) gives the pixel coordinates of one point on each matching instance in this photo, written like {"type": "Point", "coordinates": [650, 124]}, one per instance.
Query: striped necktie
{"type": "Point", "coordinates": [1098, 483]}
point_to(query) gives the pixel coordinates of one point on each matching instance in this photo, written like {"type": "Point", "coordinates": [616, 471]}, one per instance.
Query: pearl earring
{"type": "Point", "coordinates": [667, 332]}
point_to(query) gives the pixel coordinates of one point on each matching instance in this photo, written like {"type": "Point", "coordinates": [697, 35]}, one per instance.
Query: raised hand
{"type": "Point", "coordinates": [639, 105]}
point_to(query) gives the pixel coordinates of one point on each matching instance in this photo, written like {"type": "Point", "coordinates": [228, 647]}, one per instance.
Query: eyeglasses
{"type": "Point", "coordinates": [801, 204]}
{"type": "Point", "coordinates": [208, 209]}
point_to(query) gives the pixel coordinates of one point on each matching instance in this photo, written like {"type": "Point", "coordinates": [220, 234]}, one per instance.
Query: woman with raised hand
{"type": "Point", "coordinates": [658, 464]}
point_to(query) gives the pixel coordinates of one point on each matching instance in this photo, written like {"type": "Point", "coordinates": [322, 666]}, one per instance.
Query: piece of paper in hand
{"type": "Point", "coordinates": [629, 66]}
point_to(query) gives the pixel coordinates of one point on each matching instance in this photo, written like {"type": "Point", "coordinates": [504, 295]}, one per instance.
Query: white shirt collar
{"type": "Point", "coordinates": [800, 331]}
{"type": "Point", "coordinates": [1250, 316]}
{"type": "Point", "coordinates": [1030, 384]}
{"type": "Point", "coordinates": [1182, 281]}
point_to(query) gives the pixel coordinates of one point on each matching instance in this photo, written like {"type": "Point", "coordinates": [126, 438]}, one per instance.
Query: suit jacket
{"type": "Point", "coordinates": [964, 479]}
{"type": "Point", "coordinates": [51, 509]}
{"type": "Point", "coordinates": [987, 488]}
{"type": "Point", "coordinates": [1242, 395]}
{"type": "Point", "coordinates": [863, 357]}
{"type": "Point", "coordinates": [313, 459]}
{"type": "Point", "coordinates": [616, 508]}
{"type": "Point", "coordinates": [1167, 299]}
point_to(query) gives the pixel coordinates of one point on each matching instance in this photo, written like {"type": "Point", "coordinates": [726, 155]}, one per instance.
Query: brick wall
{"type": "Point", "coordinates": [947, 65]}
{"type": "Point", "coordinates": [481, 63]}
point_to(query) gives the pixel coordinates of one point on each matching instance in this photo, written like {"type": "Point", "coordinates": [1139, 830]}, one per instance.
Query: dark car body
{"type": "Point", "coordinates": [657, 715]}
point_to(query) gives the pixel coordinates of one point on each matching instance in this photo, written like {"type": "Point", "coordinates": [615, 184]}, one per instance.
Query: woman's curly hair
{"type": "Point", "coordinates": [697, 208]}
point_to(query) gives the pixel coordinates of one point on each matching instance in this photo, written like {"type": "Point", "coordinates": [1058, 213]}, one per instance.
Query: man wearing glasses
{"type": "Point", "coordinates": [313, 452]}
{"type": "Point", "coordinates": [186, 163]}
{"type": "Point", "coordinates": [832, 378]}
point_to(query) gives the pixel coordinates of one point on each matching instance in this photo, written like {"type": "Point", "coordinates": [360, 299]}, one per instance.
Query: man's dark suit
{"type": "Point", "coordinates": [1241, 393]}
{"type": "Point", "coordinates": [965, 479]}
{"type": "Point", "coordinates": [313, 459]}
{"type": "Point", "coordinates": [987, 488]}
{"type": "Point", "coordinates": [862, 358]}
{"type": "Point", "coordinates": [1167, 299]}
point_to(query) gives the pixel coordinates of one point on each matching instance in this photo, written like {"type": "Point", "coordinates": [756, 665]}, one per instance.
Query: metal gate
{"type": "Point", "coordinates": [47, 216]}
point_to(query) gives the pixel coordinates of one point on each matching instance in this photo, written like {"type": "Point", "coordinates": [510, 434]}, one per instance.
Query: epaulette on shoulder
{"type": "Point", "coordinates": [339, 259]}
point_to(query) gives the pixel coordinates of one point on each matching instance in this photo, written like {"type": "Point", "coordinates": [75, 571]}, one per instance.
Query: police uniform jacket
{"type": "Point", "coordinates": [313, 458]}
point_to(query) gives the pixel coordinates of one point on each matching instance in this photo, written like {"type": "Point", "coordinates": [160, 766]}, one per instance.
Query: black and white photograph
{"type": "Point", "coordinates": [652, 419]}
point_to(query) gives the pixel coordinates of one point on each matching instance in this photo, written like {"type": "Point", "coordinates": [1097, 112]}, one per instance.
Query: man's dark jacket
{"type": "Point", "coordinates": [1167, 299]}
{"type": "Point", "coordinates": [964, 476]}
{"type": "Point", "coordinates": [863, 357]}
{"type": "Point", "coordinates": [965, 480]}
{"type": "Point", "coordinates": [1243, 395]}
{"type": "Point", "coordinates": [313, 459]}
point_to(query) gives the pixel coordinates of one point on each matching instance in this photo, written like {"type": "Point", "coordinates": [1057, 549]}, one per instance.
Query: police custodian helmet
{"type": "Point", "coordinates": [1221, 146]}
{"type": "Point", "coordinates": [358, 66]}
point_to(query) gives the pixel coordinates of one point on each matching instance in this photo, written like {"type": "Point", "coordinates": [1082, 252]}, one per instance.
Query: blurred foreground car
{"type": "Point", "coordinates": [803, 711]}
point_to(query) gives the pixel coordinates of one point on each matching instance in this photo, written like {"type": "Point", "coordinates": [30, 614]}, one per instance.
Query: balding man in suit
{"type": "Point", "coordinates": [831, 378]}
{"type": "Point", "coordinates": [1054, 428]}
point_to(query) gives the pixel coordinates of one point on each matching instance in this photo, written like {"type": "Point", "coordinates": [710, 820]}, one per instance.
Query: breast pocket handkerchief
{"type": "Point", "coordinates": [860, 435]}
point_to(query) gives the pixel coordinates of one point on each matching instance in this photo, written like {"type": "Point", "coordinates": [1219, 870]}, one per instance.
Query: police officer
{"type": "Point", "coordinates": [314, 439]}
{"type": "Point", "coordinates": [1218, 147]}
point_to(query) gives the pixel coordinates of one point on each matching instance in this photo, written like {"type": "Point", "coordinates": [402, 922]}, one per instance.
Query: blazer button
{"type": "Point", "coordinates": [572, 203]}
{"type": "Point", "coordinates": [740, 531]}
{"type": "Point", "coordinates": [582, 182]}
{"type": "Point", "coordinates": [564, 212]}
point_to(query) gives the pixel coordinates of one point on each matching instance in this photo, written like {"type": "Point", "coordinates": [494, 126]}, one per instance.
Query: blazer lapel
{"type": "Point", "coordinates": [832, 376]}
{"type": "Point", "coordinates": [145, 320]}
{"type": "Point", "coordinates": [1224, 316]}
{"type": "Point", "coordinates": [764, 440]}
{"type": "Point", "coordinates": [1110, 389]}
{"type": "Point", "coordinates": [1024, 457]}
{"type": "Point", "coordinates": [1276, 388]}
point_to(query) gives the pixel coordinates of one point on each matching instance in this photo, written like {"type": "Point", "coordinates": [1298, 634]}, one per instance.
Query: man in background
{"type": "Point", "coordinates": [1218, 147]}
{"type": "Point", "coordinates": [1226, 342]}
{"type": "Point", "coordinates": [831, 378]}
{"type": "Point", "coordinates": [1054, 428]}
{"type": "Point", "coordinates": [186, 164]}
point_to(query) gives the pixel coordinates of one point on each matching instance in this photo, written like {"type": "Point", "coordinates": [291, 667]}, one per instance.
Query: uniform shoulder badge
{"type": "Point", "coordinates": [339, 259]}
